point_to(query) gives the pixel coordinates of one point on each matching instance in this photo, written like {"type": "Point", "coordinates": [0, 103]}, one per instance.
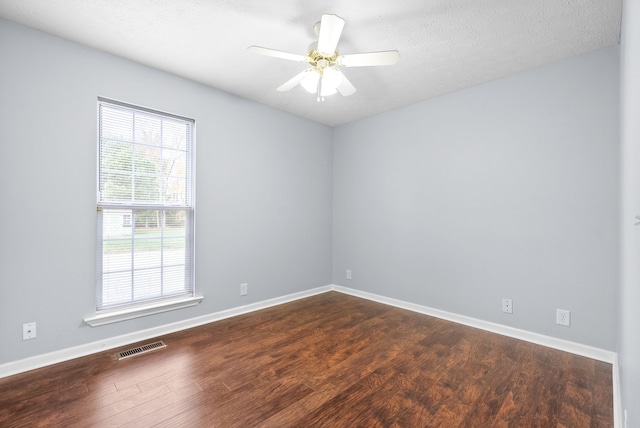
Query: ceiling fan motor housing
{"type": "Point", "coordinates": [320, 60]}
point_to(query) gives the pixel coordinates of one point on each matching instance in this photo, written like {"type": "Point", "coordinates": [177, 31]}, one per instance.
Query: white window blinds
{"type": "Point", "coordinates": [145, 205]}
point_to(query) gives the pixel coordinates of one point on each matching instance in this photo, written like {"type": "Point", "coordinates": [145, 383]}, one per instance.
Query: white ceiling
{"type": "Point", "coordinates": [444, 45]}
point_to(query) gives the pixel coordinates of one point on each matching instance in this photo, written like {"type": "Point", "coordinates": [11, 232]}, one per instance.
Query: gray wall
{"type": "Point", "coordinates": [263, 191]}
{"type": "Point", "coordinates": [508, 189]}
{"type": "Point", "coordinates": [629, 321]}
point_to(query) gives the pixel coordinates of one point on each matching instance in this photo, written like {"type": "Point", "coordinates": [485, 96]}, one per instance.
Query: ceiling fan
{"type": "Point", "coordinates": [324, 76]}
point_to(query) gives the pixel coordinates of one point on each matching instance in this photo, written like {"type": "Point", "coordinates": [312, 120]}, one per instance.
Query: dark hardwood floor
{"type": "Point", "coordinates": [330, 360]}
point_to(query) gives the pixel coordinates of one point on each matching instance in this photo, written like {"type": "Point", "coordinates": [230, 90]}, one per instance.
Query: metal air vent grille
{"type": "Point", "coordinates": [141, 350]}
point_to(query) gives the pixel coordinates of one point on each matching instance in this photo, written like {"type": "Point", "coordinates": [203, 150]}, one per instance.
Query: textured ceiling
{"type": "Point", "coordinates": [444, 45]}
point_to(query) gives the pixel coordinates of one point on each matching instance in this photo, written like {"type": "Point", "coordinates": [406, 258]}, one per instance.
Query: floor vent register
{"type": "Point", "coordinates": [141, 350]}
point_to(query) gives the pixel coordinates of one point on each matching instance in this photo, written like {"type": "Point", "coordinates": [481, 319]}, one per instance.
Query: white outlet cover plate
{"type": "Point", "coordinates": [28, 331]}
{"type": "Point", "coordinates": [563, 317]}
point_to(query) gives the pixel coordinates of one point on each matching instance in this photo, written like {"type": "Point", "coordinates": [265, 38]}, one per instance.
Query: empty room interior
{"type": "Point", "coordinates": [320, 214]}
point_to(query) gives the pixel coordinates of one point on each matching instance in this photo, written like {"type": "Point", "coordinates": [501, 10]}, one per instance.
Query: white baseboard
{"type": "Point", "coordinates": [31, 363]}
{"type": "Point", "coordinates": [540, 339]}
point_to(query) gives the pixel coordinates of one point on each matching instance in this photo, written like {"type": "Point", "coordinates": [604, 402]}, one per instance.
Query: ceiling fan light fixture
{"type": "Point", "coordinates": [310, 83]}
{"type": "Point", "coordinates": [328, 79]}
{"type": "Point", "coordinates": [331, 79]}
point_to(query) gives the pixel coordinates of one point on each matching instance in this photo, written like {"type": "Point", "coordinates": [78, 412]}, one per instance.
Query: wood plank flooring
{"type": "Point", "coordinates": [330, 360]}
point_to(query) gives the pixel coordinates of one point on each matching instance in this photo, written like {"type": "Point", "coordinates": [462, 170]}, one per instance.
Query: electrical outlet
{"type": "Point", "coordinates": [563, 317]}
{"type": "Point", "coordinates": [348, 274]}
{"type": "Point", "coordinates": [28, 331]}
{"type": "Point", "coordinates": [244, 289]}
{"type": "Point", "coordinates": [507, 306]}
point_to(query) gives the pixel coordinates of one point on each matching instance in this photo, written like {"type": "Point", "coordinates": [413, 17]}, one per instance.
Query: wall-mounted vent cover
{"type": "Point", "coordinates": [141, 350]}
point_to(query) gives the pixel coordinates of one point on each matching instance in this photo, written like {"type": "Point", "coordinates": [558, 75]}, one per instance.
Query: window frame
{"type": "Point", "coordinates": [105, 314]}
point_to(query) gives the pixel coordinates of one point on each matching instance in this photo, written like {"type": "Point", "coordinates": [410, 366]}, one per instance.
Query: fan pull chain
{"type": "Point", "coordinates": [320, 97]}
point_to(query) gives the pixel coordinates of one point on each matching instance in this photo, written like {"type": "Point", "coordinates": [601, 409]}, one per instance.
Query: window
{"type": "Point", "coordinates": [145, 214]}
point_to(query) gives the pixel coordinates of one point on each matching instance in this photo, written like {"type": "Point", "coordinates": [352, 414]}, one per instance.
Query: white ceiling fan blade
{"type": "Point", "coordinates": [345, 87]}
{"type": "Point", "coordinates": [330, 31]}
{"type": "Point", "coordinates": [369, 59]}
{"type": "Point", "coordinates": [291, 83]}
{"type": "Point", "coordinates": [277, 54]}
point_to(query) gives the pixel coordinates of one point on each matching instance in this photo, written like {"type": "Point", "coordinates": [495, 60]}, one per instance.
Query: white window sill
{"type": "Point", "coordinates": [109, 317]}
